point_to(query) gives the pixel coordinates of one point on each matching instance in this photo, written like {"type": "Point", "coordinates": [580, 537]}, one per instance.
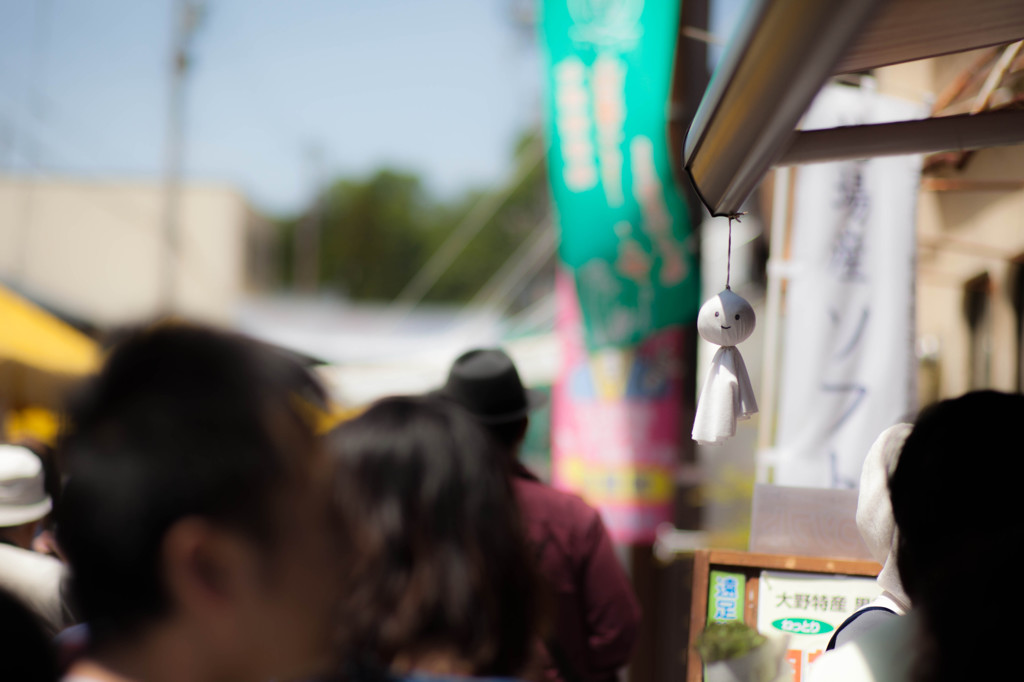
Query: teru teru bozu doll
{"type": "Point", "coordinates": [725, 320]}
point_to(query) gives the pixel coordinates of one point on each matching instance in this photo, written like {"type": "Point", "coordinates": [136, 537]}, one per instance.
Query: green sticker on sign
{"type": "Point", "coordinates": [802, 626]}
{"type": "Point", "coordinates": [726, 593]}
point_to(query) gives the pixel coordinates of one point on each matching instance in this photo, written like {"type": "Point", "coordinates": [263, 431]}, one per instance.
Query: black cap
{"type": "Point", "coordinates": [485, 382]}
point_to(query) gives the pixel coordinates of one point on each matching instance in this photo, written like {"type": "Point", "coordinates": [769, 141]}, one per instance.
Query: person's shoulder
{"type": "Point", "coordinates": [436, 677]}
{"type": "Point", "coordinates": [560, 504]}
{"type": "Point", "coordinates": [879, 655]}
{"type": "Point", "coordinates": [90, 670]}
{"type": "Point", "coordinates": [39, 566]}
{"type": "Point", "coordinates": [843, 664]}
{"type": "Point", "coordinates": [432, 677]}
{"type": "Point", "coordinates": [859, 622]}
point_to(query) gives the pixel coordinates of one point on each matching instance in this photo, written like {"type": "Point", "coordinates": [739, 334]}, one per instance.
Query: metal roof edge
{"type": "Point", "coordinates": [771, 72]}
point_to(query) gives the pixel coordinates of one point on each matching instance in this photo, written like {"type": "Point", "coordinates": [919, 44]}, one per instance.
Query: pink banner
{"type": "Point", "coordinates": [615, 423]}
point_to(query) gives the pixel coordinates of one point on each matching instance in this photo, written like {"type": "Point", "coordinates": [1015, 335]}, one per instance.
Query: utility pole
{"type": "Point", "coordinates": [187, 15]}
{"type": "Point", "coordinates": [308, 231]}
{"type": "Point", "coordinates": [22, 250]}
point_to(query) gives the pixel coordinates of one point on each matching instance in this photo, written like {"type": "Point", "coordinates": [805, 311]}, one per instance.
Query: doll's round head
{"type": "Point", "coordinates": [725, 319]}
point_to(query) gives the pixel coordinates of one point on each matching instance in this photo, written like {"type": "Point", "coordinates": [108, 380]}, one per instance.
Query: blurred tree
{"type": "Point", "coordinates": [524, 211]}
{"type": "Point", "coordinates": [379, 231]}
{"type": "Point", "coordinates": [374, 233]}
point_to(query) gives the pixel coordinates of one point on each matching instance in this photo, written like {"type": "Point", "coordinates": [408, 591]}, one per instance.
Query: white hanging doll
{"type": "Point", "coordinates": [726, 320]}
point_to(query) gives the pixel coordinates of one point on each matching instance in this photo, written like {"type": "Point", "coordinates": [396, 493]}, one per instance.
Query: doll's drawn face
{"type": "Point", "coordinates": [725, 319]}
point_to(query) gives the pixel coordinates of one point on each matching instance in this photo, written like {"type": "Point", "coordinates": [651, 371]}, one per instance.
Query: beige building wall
{"type": "Point", "coordinates": [96, 248]}
{"type": "Point", "coordinates": [970, 246]}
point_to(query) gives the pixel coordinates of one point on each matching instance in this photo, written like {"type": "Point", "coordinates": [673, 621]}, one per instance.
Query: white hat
{"type": "Point", "coordinates": [23, 498]}
{"type": "Point", "coordinates": [874, 511]}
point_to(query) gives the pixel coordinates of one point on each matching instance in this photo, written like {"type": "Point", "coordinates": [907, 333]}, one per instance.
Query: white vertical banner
{"type": "Point", "coordinates": [848, 368]}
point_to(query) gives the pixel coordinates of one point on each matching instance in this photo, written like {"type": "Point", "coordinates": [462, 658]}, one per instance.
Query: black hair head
{"type": "Point", "coordinates": [955, 499]}
{"type": "Point", "coordinates": [181, 421]}
{"type": "Point", "coordinates": [445, 565]}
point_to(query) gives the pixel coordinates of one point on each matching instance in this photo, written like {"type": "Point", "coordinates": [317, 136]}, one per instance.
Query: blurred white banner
{"type": "Point", "coordinates": [848, 323]}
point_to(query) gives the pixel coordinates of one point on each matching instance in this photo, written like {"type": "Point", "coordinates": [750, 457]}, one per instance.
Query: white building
{"type": "Point", "coordinates": [96, 248]}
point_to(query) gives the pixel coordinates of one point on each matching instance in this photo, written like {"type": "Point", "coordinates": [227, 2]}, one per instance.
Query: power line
{"type": "Point", "coordinates": [481, 213]}
{"type": "Point", "coordinates": [40, 35]}
{"type": "Point", "coordinates": [539, 260]}
{"type": "Point", "coordinates": [188, 14]}
{"type": "Point", "coordinates": [539, 314]}
{"type": "Point", "coordinates": [518, 269]}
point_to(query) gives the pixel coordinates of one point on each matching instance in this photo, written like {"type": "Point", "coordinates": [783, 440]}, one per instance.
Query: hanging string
{"type": "Point", "coordinates": [728, 256]}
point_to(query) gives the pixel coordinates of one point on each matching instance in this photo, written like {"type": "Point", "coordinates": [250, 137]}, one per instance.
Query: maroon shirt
{"type": "Point", "coordinates": [596, 614]}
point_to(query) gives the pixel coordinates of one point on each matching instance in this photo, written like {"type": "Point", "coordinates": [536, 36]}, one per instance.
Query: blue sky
{"type": "Point", "coordinates": [440, 87]}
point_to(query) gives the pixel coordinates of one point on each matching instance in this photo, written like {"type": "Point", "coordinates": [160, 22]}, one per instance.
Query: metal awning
{"type": "Point", "coordinates": [786, 50]}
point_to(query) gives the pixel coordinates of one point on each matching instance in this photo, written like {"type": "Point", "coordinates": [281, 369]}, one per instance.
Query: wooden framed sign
{"type": "Point", "coordinates": [803, 597]}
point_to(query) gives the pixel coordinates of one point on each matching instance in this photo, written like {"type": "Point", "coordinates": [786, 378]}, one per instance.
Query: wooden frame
{"type": "Point", "coordinates": [751, 565]}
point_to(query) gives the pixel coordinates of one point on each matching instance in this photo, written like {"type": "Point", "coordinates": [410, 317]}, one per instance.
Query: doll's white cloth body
{"type": "Point", "coordinates": [727, 396]}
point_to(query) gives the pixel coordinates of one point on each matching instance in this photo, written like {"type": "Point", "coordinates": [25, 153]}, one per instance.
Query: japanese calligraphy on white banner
{"type": "Point", "coordinates": [848, 331]}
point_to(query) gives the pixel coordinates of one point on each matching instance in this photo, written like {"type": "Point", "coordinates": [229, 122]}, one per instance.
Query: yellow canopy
{"type": "Point", "coordinates": [33, 337]}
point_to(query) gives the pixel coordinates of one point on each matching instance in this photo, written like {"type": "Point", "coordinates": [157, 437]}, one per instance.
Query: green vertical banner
{"type": "Point", "coordinates": [628, 280]}
{"type": "Point", "coordinates": [624, 226]}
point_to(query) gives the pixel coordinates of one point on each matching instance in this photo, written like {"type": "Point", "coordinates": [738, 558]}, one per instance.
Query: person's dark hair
{"type": "Point", "coordinates": [445, 565]}
{"type": "Point", "coordinates": [181, 421]}
{"type": "Point", "coordinates": [29, 655]}
{"type": "Point", "coordinates": [955, 498]}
